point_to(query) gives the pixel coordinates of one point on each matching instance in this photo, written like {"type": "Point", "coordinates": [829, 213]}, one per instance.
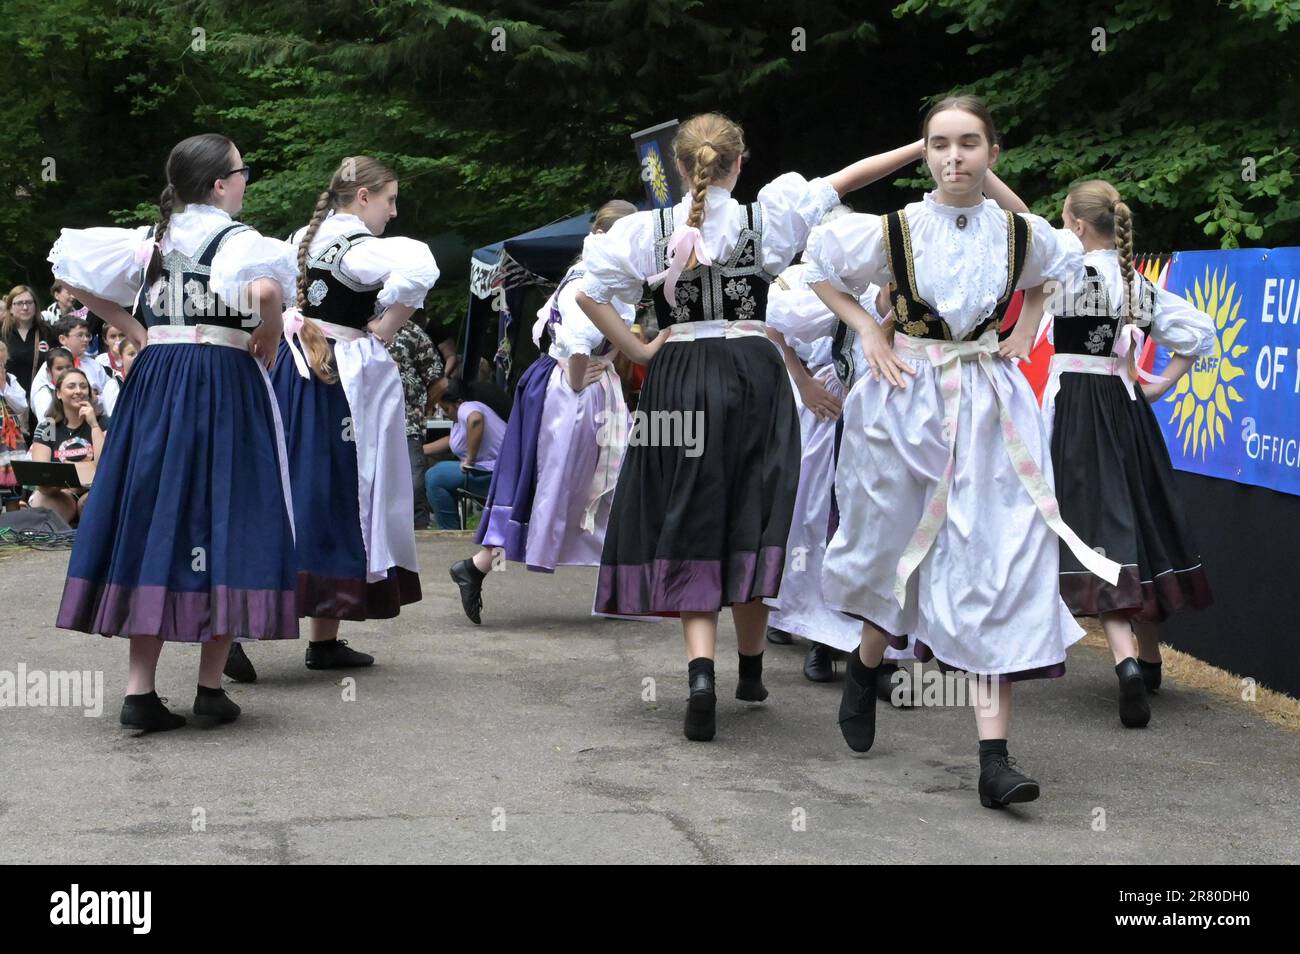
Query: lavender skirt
{"type": "Point", "coordinates": [542, 480]}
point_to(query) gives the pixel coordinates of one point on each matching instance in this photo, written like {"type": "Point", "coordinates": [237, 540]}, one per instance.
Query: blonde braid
{"type": "Point", "coordinates": [323, 205]}
{"type": "Point", "coordinates": [314, 342]}
{"type": "Point", "coordinates": [707, 146]}
{"type": "Point", "coordinates": [1124, 245]}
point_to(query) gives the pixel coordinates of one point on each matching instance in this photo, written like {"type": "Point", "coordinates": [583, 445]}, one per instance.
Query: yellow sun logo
{"type": "Point", "coordinates": [1204, 395]}
{"type": "Point", "coordinates": [658, 178]}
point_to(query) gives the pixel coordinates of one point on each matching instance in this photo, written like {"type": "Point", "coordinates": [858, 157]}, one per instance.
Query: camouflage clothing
{"type": "Point", "coordinates": [420, 365]}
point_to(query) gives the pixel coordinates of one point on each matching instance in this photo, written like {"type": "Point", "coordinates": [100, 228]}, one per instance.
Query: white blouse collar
{"type": "Point", "coordinates": [933, 205]}
{"type": "Point", "coordinates": [207, 211]}
{"type": "Point", "coordinates": [348, 220]}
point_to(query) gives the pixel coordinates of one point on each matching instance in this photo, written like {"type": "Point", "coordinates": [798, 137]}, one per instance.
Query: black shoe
{"type": "Point", "coordinates": [215, 705]}
{"type": "Point", "coordinates": [1150, 674]}
{"type": "Point", "coordinates": [335, 654]}
{"type": "Point", "coordinates": [858, 711]}
{"type": "Point", "coordinates": [885, 685]}
{"type": "Point", "coordinates": [818, 665]}
{"type": "Point", "coordinates": [1001, 785]}
{"type": "Point", "coordinates": [701, 708]}
{"type": "Point", "coordinates": [751, 690]}
{"type": "Point", "coordinates": [238, 666]}
{"type": "Point", "coordinates": [778, 637]}
{"type": "Point", "coordinates": [1133, 709]}
{"type": "Point", "coordinates": [466, 576]}
{"type": "Point", "coordinates": [147, 712]}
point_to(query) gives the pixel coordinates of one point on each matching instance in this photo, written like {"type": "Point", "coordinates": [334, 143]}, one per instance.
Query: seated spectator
{"type": "Point", "coordinates": [73, 432]}
{"type": "Point", "coordinates": [13, 423]}
{"type": "Point", "coordinates": [57, 360]}
{"type": "Point", "coordinates": [74, 335]}
{"type": "Point", "coordinates": [420, 365]}
{"type": "Point", "coordinates": [475, 439]}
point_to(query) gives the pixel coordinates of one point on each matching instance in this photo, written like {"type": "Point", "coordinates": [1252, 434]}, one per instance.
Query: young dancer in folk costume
{"type": "Point", "coordinates": [345, 419]}
{"type": "Point", "coordinates": [703, 524]}
{"type": "Point", "coordinates": [944, 485]}
{"type": "Point", "coordinates": [188, 536]}
{"type": "Point", "coordinates": [554, 480]}
{"type": "Point", "coordinates": [804, 321]}
{"type": "Point", "coordinates": [1114, 478]}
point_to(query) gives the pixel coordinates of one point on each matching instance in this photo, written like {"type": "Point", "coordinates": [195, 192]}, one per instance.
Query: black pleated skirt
{"type": "Point", "coordinates": [1117, 490]}
{"type": "Point", "coordinates": [706, 493]}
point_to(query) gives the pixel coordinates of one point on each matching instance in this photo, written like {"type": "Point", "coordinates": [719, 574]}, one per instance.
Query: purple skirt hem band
{"type": "Point", "coordinates": [176, 616]}
{"type": "Point", "coordinates": [671, 587]}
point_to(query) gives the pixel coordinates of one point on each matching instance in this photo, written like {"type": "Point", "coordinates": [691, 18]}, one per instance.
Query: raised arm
{"type": "Point", "coordinates": [1002, 194]}
{"type": "Point", "coordinates": [868, 170]}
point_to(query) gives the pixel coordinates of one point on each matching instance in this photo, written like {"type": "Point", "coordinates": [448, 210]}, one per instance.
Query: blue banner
{"type": "Point", "coordinates": [1236, 414]}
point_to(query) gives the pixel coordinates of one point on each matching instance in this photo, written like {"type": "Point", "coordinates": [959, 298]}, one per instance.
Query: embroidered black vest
{"type": "Point", "coordinates": [1091, 324]}
{"type": "Point", "coordinates": [731, 291]}
{"type": "Point", "coordinates": [844, 354]}
{"type": "Point", "coordinates": [331, 295]}
{"type": "Point", "coordinates": [181, 295]}
{"type": "Point", "coordinates": [915, 317]}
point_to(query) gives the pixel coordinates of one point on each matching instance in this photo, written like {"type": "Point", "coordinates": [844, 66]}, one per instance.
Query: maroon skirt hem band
{"type": "Point", "coordinates": [1152, 601]}
{"type": "Point", "coordinates": [330, 597]}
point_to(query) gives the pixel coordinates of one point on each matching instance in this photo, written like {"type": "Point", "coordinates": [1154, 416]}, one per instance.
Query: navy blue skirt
{"type": "Point", "coordinates": [509, 504]}
{"type": "Point", "coordinates": [186, 535]}
{"type": "Point", "coordinates": [323, 473]}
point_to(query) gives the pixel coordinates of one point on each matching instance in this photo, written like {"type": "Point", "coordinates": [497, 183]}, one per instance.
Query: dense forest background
{"type": "Point", "coordinates": [1191, 108]}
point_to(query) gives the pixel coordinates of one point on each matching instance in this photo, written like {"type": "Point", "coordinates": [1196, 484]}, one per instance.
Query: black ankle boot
{"type": "Point", "coordinates": [778, 637]}
{"type": "Point", "coordinates": [1001, 784]}
{"type": "Point", "coordinates": [888, 680]}
{"type": "Point", "coordinates": [750, 688]}
{"type": "Point", "coordinates": [469, 579]}
{"type": "Point", "coordinates": [858, 705]}
{"type": "Point", "coordinates": [1150, 674]}
{"type": "Point", "coordinates": [1133, 709]}
{"type": "Point", "coordinates": [214, 704]}
{"type": "Point", "coordinates": [335, 654]}
{"type": "Point", "coordinates": [238, 666]}
{"type": "Point", "coordinates": [702, 705]}
{"type": "Point", "coordinates": [147, 712]}
{"type": "Point", "coordinates": [818, 666]}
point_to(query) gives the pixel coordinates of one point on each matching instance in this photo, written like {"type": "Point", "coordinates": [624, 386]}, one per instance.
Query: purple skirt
{"type": "Point", "coordinates": [535, 513]}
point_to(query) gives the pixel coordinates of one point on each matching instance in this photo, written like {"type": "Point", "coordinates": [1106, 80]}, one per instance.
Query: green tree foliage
{"type": "Point", "coordinates": [1189, 107]}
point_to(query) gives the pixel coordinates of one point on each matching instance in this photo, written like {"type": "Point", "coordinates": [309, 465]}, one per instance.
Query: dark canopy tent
{"type": "Point", "coordinates": [519, 275]}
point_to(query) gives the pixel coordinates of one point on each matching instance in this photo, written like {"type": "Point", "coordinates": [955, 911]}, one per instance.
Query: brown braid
{"type": "Point", "coordinates": [166, 204]}
{"type": "Point", "coordinates": [707, 147]}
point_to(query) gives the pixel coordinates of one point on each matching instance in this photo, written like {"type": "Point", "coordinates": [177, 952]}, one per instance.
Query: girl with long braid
{"type": "Point", "coordinates": [700, 519]}
{"type": "Point", "coordinates": [1114, 479]}
{"type": "Point", "coordinates": [345, 414]}
{"type": "Point", "coordinates": [188, 536]}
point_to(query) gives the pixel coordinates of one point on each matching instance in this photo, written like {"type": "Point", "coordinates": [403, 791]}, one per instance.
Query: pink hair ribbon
{"type": "Point", "coordinates": [684, 242]}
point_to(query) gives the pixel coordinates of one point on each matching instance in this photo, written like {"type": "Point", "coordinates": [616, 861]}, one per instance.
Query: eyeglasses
{"type": "Point", "coordinates": [22, 304]}
{"type": "Point", "coordinates": [246, 171]}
